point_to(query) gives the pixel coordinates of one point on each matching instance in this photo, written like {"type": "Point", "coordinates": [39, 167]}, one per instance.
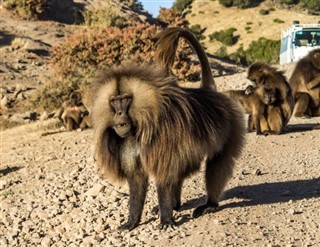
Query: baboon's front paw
{"type": "Point", "coordinates": [167, 224]}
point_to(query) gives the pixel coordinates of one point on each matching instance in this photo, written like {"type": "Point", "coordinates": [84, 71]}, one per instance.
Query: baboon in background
{"type": "Point", "coordinates": [262, 74]}
{"type": "Point", "coordinates": [255, 102]}
{"type": "Point", "coordinates": [76, 117]}
{"type": "Point", "coordinates": [73, 113]}
{"type": "Point", "coordinates": [146, 125]}
{"type": "Point", "coordinates": [305, 84]}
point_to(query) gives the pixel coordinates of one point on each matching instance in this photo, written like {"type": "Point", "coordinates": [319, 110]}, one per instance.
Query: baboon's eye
{"type": "Point", "coordinates": [124, 100]}
{"type": "Point", "coordinates": [116, 101]}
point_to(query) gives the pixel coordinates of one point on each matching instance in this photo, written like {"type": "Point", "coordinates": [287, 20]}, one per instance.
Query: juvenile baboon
{"type": "Point", "coordinates": [305, 84]}
{"type": "Point", "coordinates": [75, 99]}
{"type": "Point", "coordinates": [255, 102]}
{"type": "Point", "coordinates": [262, 74]}
{"type": "Point", "coordinates": [73, 113]}
{"type": "Point", "coordinates": [146, 125]}
{"type": "Point", "coordinates": [76, 117]}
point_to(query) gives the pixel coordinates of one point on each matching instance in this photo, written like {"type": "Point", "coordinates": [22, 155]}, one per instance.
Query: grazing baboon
{"type": "Point", "coordinates": [255, 102]}
{"type": "Point", "coordinates": [305, 84]}
{"type": "Point", "coordinates": [147, 126]}
{"type": "Point", "coordinates": [262, 74]}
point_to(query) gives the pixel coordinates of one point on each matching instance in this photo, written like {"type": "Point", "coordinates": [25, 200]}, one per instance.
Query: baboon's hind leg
{"type": "Point", "coordinates": [218, 171]}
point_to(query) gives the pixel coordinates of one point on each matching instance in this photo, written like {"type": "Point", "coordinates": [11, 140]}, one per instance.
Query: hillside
{"type": "Point", "coordinates": [214, 17]}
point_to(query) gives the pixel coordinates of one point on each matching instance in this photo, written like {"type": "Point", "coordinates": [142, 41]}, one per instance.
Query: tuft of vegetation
{"type": "Point", "coordinates": [105, 16]}
{"type": "Point", "coordinates": [181, 5]}
{"type": "Point", "coordinates": [261, 50]}
{"type": "Point", "coordinates": [172, 17]}
{"type": "Point", "coordinates": [313, 5]}
{"type": "Point", "coordinates": [225, 36]}
{"type": "Point", "coordinates": [27, 9]}
{"type": "Point", "coordinates": [198, 31]}
{"type": "Point", "coordinates": [222, 52]}
{"type": "Point", "coordinates": [278, 21]}
{"type": "Point", "coordinates": [264, 12]}
{"type": "Point", "coordinates": [242, 4]}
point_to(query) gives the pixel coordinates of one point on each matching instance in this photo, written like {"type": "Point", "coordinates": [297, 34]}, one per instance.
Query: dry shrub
{"type": "Point", "coordinates": [28, 9]}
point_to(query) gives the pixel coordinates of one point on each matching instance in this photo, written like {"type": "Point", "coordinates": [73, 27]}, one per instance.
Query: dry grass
{"type": "Point", "coordinates": [214, 17]}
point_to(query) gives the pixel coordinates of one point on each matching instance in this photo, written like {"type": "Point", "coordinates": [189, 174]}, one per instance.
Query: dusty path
{"type": "Point", "coordinates": [51, 195]}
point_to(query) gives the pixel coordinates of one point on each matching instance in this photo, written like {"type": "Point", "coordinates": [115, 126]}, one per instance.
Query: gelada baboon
{"type": "Point", "coordinates": [73, 113]}
{"type": "Point", "coordinates": [305, 84]}
{"type": "Point", "coordinates": [147, 126]}
{"type": "Point", "coordinates": [262, 74]}
{"type": "Point", "coordinates": [255, 102]}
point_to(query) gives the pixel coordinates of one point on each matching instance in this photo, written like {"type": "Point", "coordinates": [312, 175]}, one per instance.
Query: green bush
{"type": "Point", "coordinates": [263, 50]}
{"type": "Point", "coordinates": [278, 21]}
{"type": "Point", "coordinates": [181, 5]}
{"type": "Point", "coordinates": [312, 4]}
{"type": "Point", "coordinates": [225, 37]}
{"type": "Point", "coordinates": [264, 12]}
{"type": "Point", "coordinates": [237, 3]}
{"type": "Point", "coordinates": [28, 9]}
{"type": "Point", "coordinates": [198, 32]}
{"type": "Point", "coordinates": [222, 52]}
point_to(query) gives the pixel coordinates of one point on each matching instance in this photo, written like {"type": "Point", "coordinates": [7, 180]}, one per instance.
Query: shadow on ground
{"type": "Point", "coordinates": [8, 170]}
{"type": "Point", "coordinates": [260, 194]}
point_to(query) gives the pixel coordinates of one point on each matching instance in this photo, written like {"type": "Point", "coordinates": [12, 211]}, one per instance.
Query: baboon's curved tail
{"type": "Point", "coordinates": [167, 46]}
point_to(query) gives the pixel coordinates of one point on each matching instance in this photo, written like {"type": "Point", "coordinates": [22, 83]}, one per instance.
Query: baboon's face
{"type": "Point", "coordinates": [269, 96]}
{"type": "Point", "coordinates": [122, 123]}
{"type": "Point", "coordinates": [254, 76]}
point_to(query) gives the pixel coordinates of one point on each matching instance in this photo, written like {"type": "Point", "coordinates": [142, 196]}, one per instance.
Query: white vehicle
{"type": "Point", "coordinates": [298, 40]}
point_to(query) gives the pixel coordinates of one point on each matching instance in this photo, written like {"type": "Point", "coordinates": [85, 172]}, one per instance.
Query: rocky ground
{"type": "Point", "coordinates": [52, 195]}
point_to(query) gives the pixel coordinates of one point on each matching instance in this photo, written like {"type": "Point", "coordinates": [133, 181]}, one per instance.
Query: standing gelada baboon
{"type": "Point", "coordinates": [262, 74]}
{"type": "Point", "coordinates": [145, 125]}
{"type": "Point", "coordinates": [305, 84]}
{"type": "Point", "coordinates": [255, 101]}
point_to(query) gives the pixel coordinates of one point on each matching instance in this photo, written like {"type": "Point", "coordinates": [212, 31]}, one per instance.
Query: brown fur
{"type": "Point", "coordinates": [73, 113]}
{"type": "Point", "coordinates": [167, 47]}
{"type": "Point", "coordinates": [255, 102]}
{"type": "Point", "coordinates": [173, 130]}
{"type": "Point", "coordinates": [305, 84]}
{"type": "Point", "coordinates": [262, 74]}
